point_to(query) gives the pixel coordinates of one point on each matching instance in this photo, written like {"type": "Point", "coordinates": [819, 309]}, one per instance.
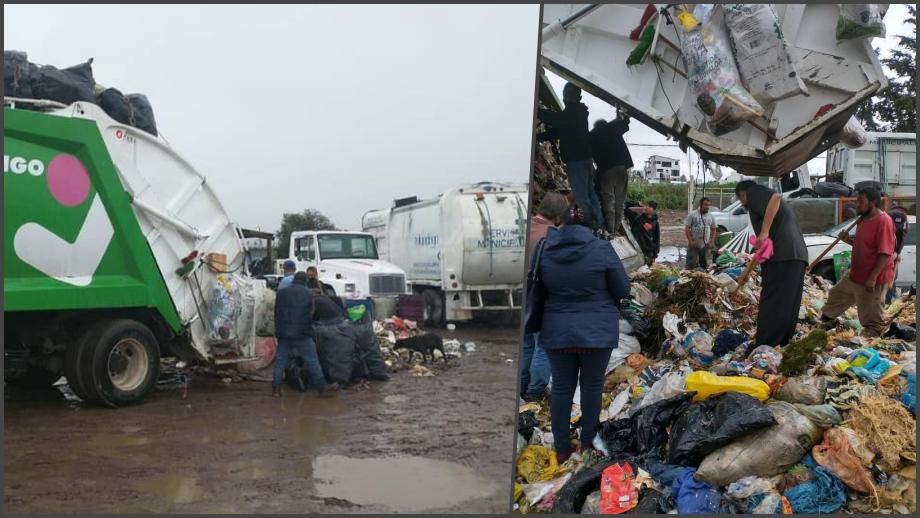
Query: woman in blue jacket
{"type": "Point", "coordinates": [584, 281]}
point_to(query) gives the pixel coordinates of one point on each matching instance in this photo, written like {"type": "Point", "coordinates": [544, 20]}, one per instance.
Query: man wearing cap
{"type": "Point", "coordinates": [289, 268]}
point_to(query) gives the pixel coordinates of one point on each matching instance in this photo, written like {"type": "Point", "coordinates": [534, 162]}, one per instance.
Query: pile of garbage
{"type": "Point", "coordinates": [390, 330]}
{"type": "Point", "coordinates": [697, 418]}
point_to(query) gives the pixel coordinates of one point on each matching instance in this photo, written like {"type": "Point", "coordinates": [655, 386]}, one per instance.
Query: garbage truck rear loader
{"type": "Point", "coordinates": [589, 46]}
{"type": "Point", "coordinates": [117, 253]}
{"type": "Point", "coordinates": [463, 251]}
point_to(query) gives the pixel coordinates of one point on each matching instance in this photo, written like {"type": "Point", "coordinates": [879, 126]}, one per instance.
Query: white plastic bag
{"type": "Point", "coordinates": [761, 53]}
{"type": "Point", "coordinates": [854, 135]}
{"type": "Point", "coordinates": [713, 75]}
{"type": "Point", "coordinates": [627, 345]}
{"type": "Point", "coordinates": [671, 384]}
{"type": "Point", "coordinates": [859, 21]}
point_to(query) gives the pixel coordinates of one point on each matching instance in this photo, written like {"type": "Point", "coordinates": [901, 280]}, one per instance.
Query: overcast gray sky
{"type": "Point", "coordinates": [336, 108]}
{"type": "Point", "coordinates": [641, 134]}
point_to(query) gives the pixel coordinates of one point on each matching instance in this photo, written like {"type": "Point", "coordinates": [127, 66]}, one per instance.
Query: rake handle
{"type": "Point", "coordinates": [832, 245]}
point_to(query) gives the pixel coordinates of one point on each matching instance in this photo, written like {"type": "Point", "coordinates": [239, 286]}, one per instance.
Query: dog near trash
{"type": "Point", "coordinates": [425, 344]}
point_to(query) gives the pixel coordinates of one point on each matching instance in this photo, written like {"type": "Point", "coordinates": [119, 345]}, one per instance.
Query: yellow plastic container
{"type": "Point", "coordinates": [707, 384]}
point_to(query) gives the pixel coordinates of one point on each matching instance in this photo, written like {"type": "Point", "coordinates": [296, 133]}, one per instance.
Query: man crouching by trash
{"type": "Point", "coordinates": [294, 331]}
{"type": "Point", "coordinates": [783, 275]}
{"type": "Point", "coordinates": [871, 267]}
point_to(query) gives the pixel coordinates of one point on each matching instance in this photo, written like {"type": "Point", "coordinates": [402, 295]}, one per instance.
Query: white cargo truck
{"type": "Point", "coordinates": [887, 158]}
{"type": "Point", "coordinates": [463, 251]}
{"type": "Point", "coordinates": [348, 264]}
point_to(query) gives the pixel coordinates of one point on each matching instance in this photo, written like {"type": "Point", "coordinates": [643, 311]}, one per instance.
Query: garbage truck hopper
{"type": "Point", "coordinates": [118, 252]}
{"type": "Point", "coordinates": [589, 45]}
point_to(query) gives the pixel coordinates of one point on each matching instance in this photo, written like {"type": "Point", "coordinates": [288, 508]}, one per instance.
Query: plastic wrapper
{"type": "Point", "coordinates": [766, 452]}
{"type": "Point", "coordinates": [859, 21]}
{"type": "Point", "coordinates": [538, 464]}
{"type": "Point", "coordinates": [707, 384]}
{"type": "Point", "coordinates": [712, 73]}
{"type": "Point", "coordinates": [671, 384]}
{"type": "Point", "coordinates": [765, 358]}
{"type": "Point", "coordinates": [761, 53]}
{"type": "Point", "coordinates": [744, 490]}
{"type": "Point", "coordinates": [713, 423]}
{"type": "Point", "coordinates": [617, 492]}
{"type": "Point", "coordinates": [698, 345]}
{"type": "Point", "coordinates": [836, 454]}
{"type": "Point", "coordinates": [807, 390]}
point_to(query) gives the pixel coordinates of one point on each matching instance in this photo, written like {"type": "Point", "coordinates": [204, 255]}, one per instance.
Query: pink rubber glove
{"type": "Point", "coordinates": [765, 252]}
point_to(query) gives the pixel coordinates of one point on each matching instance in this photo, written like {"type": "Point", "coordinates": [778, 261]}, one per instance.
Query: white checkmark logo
{"type": "Point", "coordinates": [73, 263]}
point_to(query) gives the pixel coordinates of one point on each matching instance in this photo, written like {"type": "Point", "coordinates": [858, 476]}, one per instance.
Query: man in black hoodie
{"type": "Point", "coordinates": [645, 229]}
{"type": "Point", "coordinates": [613, 162]}
{"type": "Point", "coordinates": [570, 127]}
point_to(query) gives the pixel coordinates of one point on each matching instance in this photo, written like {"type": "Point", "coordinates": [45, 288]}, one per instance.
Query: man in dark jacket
{"type": "Point", "coordinates": [645, 229]}
{"type": "Point", "coordinates": [783, 275]}
{"type": "Point", "coordinates": [898, 216]}
{"type": "Point", "coordinates": [613, 162]}
{"type": "Point", "coordinates": [294, 331]}
{"type": "Point", "coordinates": [570, 127]}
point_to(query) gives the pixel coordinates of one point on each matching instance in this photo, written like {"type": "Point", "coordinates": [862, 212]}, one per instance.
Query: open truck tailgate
{"type": "Point", "coordinates": [591, 51]}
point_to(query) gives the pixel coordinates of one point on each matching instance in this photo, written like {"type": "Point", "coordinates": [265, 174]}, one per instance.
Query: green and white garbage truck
{"type": "Point", "coordinates": [117, 253]}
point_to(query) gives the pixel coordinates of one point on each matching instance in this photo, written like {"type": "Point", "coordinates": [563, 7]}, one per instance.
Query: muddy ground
{"type": "Point", "coordinates": [413, 444]}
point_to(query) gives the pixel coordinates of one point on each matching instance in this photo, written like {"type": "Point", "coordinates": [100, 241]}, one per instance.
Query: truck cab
{"type": "Point", "coordinates": [347, 262]}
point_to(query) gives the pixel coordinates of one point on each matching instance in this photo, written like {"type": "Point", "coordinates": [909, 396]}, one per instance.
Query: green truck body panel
{"type": "Point", "coordinates": [47, 201]}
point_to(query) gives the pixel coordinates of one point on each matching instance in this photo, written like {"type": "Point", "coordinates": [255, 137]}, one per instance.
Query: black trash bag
{"type": "Point", "coordinates": [368, 355]}
{"type": "Point", "coordinates": [335, 346]}
{"type": "Point", "coordinates": [17, 74]}
{"type": "Point", "coordinates": [643, 433]}
{"type": "Point", "coordinates": [296, 376]}
{"type": "Point", "coordinates": [67, 85]}
{"type": "Point", "coordinates": [571, 497]}
{"type": "Point", "coordinates": [526, 423]}
{"type": "Point", "coordinates": [133, 110]}
{"type": "Point", "coordinates": [902, 332]}
{"type": "Point", "coordinates": [640, 325]}
{"type": "Point", "coordinates": [708, 425]}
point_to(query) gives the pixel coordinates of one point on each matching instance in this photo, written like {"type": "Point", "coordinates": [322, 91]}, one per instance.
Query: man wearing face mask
{"type": "Point", "coordinates": [871, 267]}
{"type": "Point", "coordinates": [783, 275]}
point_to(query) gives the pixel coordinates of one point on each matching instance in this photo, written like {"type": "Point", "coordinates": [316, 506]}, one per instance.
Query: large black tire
{"type": "Point", "coordinates": [119, 363]}
{"type": "Point", "coordinates": [72, 358]}
{"type": "Point", "coordinates": [434, 308]}
{"type": "Point", "coordinates": [825, 269]}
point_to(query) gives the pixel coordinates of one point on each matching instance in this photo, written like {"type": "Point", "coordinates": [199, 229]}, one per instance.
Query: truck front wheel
{"type": "Point", "coordinates": [116, 363]}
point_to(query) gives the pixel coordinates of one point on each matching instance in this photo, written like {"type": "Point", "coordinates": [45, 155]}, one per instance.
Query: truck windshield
{"type": "Point", "coordinates": [347, 246]}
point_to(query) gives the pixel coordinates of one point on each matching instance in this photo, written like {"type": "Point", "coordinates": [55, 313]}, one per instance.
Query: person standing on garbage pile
{"type": "Point", "coordinates": [898, 217]}
{"type": "Point", "coordinates": [535, 372]}
{"type": "Point", "coordinates": [294, 332]}
{"type": "Point", "coordinates": [570, 127]}
{"type": "Point", "coordinates": [289, 268]}
{"type": "Point", "coordinates": [611, 154]}
{"type": "Point", "coordinates": [783, 275]}
{"type": "Point", "coordinates": [700, 229]}
{"type": "Point", "coordinates": [871, 267]}
{"type": "Point", "coordinates": [646, 230]}
{"type": "Point", "coordinates": [584, 282]}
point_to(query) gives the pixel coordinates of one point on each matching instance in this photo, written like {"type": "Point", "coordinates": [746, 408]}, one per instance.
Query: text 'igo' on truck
{"type": "Point", "coordinates": [463, 251]}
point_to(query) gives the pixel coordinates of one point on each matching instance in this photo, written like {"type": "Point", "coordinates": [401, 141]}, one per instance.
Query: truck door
{"type": "Point", "coordinates": [305, 250]}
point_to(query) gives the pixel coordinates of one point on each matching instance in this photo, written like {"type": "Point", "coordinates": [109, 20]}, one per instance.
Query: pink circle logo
{"type": "Point", "coordinates": [68, 180]}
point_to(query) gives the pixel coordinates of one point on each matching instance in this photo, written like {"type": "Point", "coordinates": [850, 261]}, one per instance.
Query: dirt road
{"type": "Point", "coordinates": [433, 444]}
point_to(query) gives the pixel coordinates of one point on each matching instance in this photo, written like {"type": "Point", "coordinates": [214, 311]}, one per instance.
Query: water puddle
{"type": "Point", "coordinates": [395, 399]}
{"type": "Point", "coordinates": [407, 484]}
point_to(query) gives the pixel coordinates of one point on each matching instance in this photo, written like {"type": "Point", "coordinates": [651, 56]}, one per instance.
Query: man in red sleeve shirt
{"type": "Point", "coordinates": [871, 267]}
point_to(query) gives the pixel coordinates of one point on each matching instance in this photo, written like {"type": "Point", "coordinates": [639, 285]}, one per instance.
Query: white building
{"type": "Point", "coordinates": [662, 169]}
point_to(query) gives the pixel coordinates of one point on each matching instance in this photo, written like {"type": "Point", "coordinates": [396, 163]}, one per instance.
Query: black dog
{"type": "Point", "coordinates": [424, 344]}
